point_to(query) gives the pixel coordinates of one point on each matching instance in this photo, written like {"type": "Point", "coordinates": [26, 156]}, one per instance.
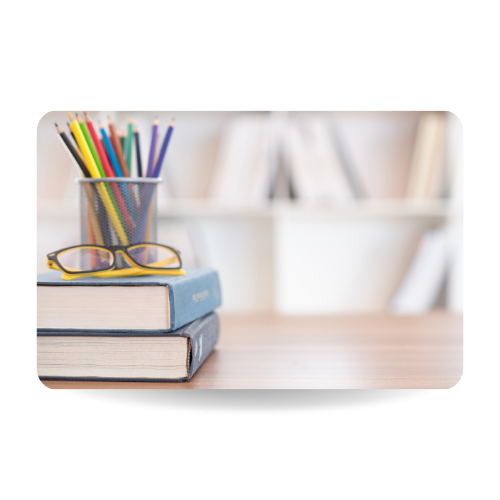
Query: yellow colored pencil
{"type": "Point", "coordinates": [94, 172]}
{"type": "Point", "coordinates": [84, 148]}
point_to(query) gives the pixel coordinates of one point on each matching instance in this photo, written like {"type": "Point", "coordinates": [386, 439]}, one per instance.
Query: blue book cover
{"type": "Point", "coordinates": [190, 297]}
{"type": "Point", "coordinates": [201, 335]}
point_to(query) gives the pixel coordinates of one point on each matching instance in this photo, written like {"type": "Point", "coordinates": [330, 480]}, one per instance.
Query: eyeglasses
{"type": "Point", "coordinates": [95, 260]}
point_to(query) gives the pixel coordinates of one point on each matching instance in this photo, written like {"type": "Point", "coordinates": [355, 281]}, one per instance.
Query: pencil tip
{"type": "Point", "coordinates": [55, 124]}
{"type": "Point", "coordinates": [130, 120]}
{"type": "Point", "coordinates": [70, 115]}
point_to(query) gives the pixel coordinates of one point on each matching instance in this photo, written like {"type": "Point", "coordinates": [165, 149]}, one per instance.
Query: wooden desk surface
{"type": "Point", "coordinates": [350, 352]}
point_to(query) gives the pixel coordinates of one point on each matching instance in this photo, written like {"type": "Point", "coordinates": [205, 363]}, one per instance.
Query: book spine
{"type": "Point", "coordinates": [203, 335]}
{"type": "Point", "coordinates": [193, 298]}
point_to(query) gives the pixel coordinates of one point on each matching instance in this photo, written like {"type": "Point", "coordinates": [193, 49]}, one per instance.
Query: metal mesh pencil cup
{"type": "Point", "coordinates": [118, 210]}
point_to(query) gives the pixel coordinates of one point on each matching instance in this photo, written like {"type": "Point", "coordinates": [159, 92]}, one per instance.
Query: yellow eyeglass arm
{"type": "Point", "coordinates": [163, 262]}
{"type": "Point", "coordinates": [121, 273]}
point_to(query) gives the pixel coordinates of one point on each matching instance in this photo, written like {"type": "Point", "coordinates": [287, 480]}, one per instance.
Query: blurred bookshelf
{"type": "Point", "coordinates": [287, 251]}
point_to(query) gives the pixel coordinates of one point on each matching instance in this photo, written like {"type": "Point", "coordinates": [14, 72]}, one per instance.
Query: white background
{"type": "Point", "coordinates": [250, 55]}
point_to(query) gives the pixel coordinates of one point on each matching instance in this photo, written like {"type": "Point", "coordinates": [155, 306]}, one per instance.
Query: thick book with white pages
{"type": "Point", "coordinates": [150, 303]}
{"type": "Point", "coordinates": [127, 356]}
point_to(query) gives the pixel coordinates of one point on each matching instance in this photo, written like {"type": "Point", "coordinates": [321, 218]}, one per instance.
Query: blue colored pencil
{"type": "Point", "coordinates": [111, 153]}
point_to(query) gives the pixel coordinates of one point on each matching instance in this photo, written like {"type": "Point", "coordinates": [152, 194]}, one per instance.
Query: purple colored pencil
{"type": "Point", "coordinates": [152, 149]}
{"type": "Point", "coordinates": [163, 150]}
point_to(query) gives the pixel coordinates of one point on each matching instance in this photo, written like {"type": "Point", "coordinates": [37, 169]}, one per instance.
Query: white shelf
{"type": "Point", "coordinates": [208, 208]}
{"type": "Point", "coordinates": [360, 208]}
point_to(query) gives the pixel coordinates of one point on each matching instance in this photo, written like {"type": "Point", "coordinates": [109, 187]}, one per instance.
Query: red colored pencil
{"type": "Point", "coordinates": [108, 169]}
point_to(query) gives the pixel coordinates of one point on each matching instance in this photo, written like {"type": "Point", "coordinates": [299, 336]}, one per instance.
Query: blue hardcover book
{"type": "Point", "coordinates": [149, 303]}
{"type": "Point", "coordinates": [127, 356]}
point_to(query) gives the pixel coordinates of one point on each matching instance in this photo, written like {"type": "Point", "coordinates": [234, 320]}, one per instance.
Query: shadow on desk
{"type": "Point", "coordinates": [250, 399]}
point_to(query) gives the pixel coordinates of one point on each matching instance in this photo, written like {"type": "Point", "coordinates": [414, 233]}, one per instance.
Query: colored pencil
{"type": "Point", "coordinates": [82, 144]}
{"type": "Point", "coordinates": [125, 189]}
{"type": "Point", "coordinates": [117, 147]}
{"type": "Point", "coordinates": [129, 142]}
{"type": "Point", "coordinates": [92, 222]}
{"type": "Point", "coordinates": [164, 147]}
{"type": "Point", "coordinates": [73, 152]}
{"type": "Point", "coordinates": [74, 138]}
{"type": "Point", "coordinates": [109, 173]}
{"type": "Point", "coordinates": [110, 150]}
{"type": "Point", "coordinates": [94, 172]}
{"type": "Point", "coordinates": [75, 145]}
{"type": "Point", "coordinates": [124, 142]}
{"type": "Point", "coordinates": [138, 152]}
{"type": "Point", "coordinates": [111, 188]}
{"type": "Point", "coordinates": [152, 148]}
{"type": "Point", "coordinates": [90, 143]}
{"type": "Point", "coordinates": [141, 228]}
{"type": "Point", "coordinates": [108, 170]}
{"type": "Point", "coordinates": [157, 148]}
{"type": "Point", "coordinates": [114, 160]}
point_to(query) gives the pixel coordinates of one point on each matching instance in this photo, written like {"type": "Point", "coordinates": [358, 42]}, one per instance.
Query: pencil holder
{"type": "Point", "coordinates": [118, 211]}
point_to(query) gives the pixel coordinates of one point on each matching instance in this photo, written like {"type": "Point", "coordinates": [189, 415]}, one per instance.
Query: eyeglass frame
{"type": "Point", "coordinates": [52, 257]}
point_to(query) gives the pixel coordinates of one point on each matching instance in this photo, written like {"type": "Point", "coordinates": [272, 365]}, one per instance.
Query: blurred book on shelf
{"type": "Point", "coordinates": [425, 276]}
{"type": "Point", "coordinates": [242, 168]}
{"type": "Point", "coordinates": [427, 167]}
{"type": "Point", "coordinates": [316, 172]}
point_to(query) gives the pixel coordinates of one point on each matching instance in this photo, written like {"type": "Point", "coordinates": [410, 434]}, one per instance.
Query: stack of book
{"type": "Point", "coordinates": [149, 328]}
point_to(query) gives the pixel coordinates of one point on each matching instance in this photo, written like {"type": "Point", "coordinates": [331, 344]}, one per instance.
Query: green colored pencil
{"type": "Point", "coordinates": [130, 140]}
{"type": "Point", "coordinates": [90, 143]}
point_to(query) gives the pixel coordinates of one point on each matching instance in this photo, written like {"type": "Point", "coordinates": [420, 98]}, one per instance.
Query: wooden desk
{"type": "Point", "coordinates": [357, 352]}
